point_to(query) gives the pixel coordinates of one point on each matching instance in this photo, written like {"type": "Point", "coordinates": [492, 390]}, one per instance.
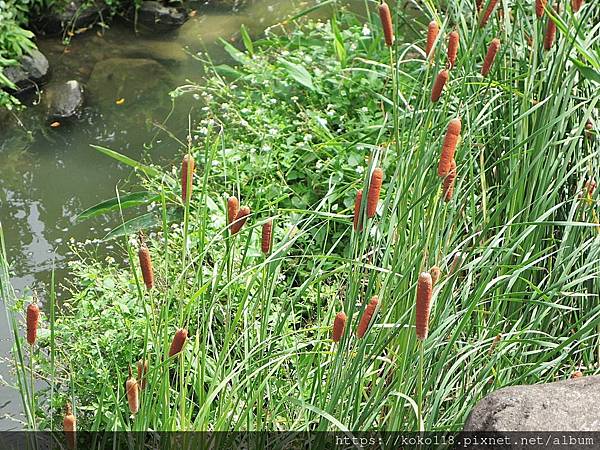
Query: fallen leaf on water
{"type": "Point", "coordinates": [120, 101]}
{"type": "Point", "coordinates": [55, 124]}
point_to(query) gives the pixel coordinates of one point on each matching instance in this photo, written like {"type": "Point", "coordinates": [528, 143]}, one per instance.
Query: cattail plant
{"type": "Point", "coordinates": [487, 13]}
{"type": "Point", "coordinates": [70, 427]}
{"type": "Point", "coordinates": [145, 263]}
{"type": "Point", "coordinates": [456, 262]}
{"type": "Point", "coordinates": [433, 30]}
{"type": "Point", "coordinates": [490, 56]}
{"type": "Point", "coordinates": [240, 219]}
{"type": "Point", "coordinates": [33, 318]}
{"type": "Point", "coordinates": [133, 393]}
{"type": "Point", "coordinates": [187, 170]}
{"type": "Point", "coordinates": [550, 35]}
{"type": "Point", "coordinates": [142, 370]}
{"type": "Point", "coordinates": [449, 147]}
{"type": "Point", "coordinates": [374, 191]}
{"type": "Point", "coordinates": [540, 5]}
{"type": "Point", "coordinates": [435, 273]}
{"type": "Point", "coordinates": [178, 341]}
{"type": "Point", "coordinates": [495, 343]}
{"type": "Point", "coordinates": [424, 288]}
{"type": "Point", "coordinates": [386, 22]}
{"type": "Point", "coordinates": [576, 5]}
{"type": "Point", "coordinates": [448, 184]}
{"type": "Point", "coordinates": [453, 45]}
{"type": "Point", "coordinates": [267, 237]}
{"type": "Point", "coordinates": [339, 325]}
{"type": "Point", "coordinates": [233, 207]}
{"type": "Point", "coordinates": [478, 4]}
{"type": "Point", "coordinates": [438, 85]}
{"type": "Point", "coordinates": [357, 216]}
{"type": "Point", "coordinates": [365, 320]}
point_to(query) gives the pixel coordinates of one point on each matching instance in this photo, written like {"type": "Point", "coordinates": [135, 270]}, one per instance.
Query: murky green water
{"type": "Point", "coordinates": [49, 175]}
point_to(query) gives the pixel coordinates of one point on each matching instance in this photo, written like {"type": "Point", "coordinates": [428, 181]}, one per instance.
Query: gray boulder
{"type": "Point", "coordinates": [75, 14]}
{"type": "Point", "coordinates": [65, 100]}
{"type": "Point", "coordinates": [160, 18]}
{"type": "Point", "coordinates": [572, 405]}
{"type": "Point", "coordinates": [31, 72]}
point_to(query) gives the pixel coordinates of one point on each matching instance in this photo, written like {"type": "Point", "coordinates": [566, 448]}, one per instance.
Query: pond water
{"type": "Point", "coordinates": [49, 175]}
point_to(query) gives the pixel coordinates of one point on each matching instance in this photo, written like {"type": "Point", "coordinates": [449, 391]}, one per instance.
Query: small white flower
{"type": "Point", "coordinates": [322, 121]}
{"type": "Point", "coordinates": [308, 137]}
{"type": "Point", "coordinates": [196, 96]}
{"type": "Point", "coordinates": [244, 123]}
{"type": "Point", "coordinates": [366, 31]}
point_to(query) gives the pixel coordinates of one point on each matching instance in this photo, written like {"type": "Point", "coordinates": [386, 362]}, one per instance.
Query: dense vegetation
{"type": "Point", "coordinates": [294, 130]}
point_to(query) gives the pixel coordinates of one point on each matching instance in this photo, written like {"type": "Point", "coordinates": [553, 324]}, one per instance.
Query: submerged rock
{"type": "Point", "coordinates": [75, 15]}
{"type": "Point", "coordinates": [160, 18]}
{"type": "Point", "coordinates": [572, 405]}
{"type": "Point", "coordinates": [65, 100]}
{"type": "Point", "coordinates": [32, 72]}
{"type": "Point", "coordinates": [130, 79]}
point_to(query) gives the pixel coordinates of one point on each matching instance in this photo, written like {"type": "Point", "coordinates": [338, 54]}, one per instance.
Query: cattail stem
{"type": "Point", "coordinates": [386, 22]}
{"type": "Point", "coordinates": [374, 192]}
{"type": "Point", "coordinates": [438, 85]}
{"type": "Point", "coordinates": [490, 56]}
{"type": "Point", "coordinates": [420, 387]}
{"type": "Point", "coordinates": [449, 147]}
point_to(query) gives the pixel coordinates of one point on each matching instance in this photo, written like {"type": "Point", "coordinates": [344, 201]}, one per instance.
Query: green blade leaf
{"type": "Point", "coordinates": [143, 222]}
{"type": "Point", "coordinates": [126, 201]}
{"type": "Point", "coordinates": [150, 171]}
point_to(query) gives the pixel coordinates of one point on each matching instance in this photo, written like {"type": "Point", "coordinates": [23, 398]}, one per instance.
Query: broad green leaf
{"type": "Point", "coordinates": [587, 71]}
{"type": "Point", "coordinates": [151, 172]}
{"type": "Point", "coordinates": [298, 73]}
{"type": "Point", "coordinates": [238, 56]}
{"type": "Point", "coordinates": [247, 40]}
{"type": "Point", "coordinates": [126, 201]}
{"type": "Point", "coordinates": [227, 71]}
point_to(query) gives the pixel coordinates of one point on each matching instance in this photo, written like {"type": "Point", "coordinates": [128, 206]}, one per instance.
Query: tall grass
{"type": "Point", "coordinates": [259, 353]}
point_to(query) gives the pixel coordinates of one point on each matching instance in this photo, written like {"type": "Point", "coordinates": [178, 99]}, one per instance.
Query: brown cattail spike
{"type": "Point", "coordinates": [233, 207]}
{"type": "Point", "coordinates": [438, 85]}
{"type": "Point", "coordinates": [424, 289]}
{"type": "Point", "coordinates": [146, 264]}
{"type": "Point", "coordinates": [576, 5]}
{"type": "Point", "coordinates": [487, 13]}
{"type": "Point", "coordinates": [448, 184]}
{"type": "Point", "coordinates": [187, 177]}
{"type": "Point", "coordinates": [433, 30]}
{"type": "Point", "coordinates": [70, 427]}
{"type": "Point", "coordinates": [386, 22]}
{"type": "Point", "coordinates": [33, 318]}
{"type": "Point", "coordinates": [550, 35]}
{"type": "Point", "coordinates": [267, 236]}
{"type": "Point", "coordinates": [339, 325]}
{"type": "Point", "coordinates": [142, 370]}
{"type": "Point", "coordinates": [540, 5]}
{"type": "Point", "coordinates": [357, 215]}
{"type": "Point", "coordinates": [495, 343]}
{"type": "Point", "coordinates": [456, 262]}
{"type": "Point", "coordinates": [453, 45]}
{"type": "Point", "coordinates": [365, 320]}
{"type": "Point", "coordinates": [178, 341]}
{"type": "Point", "coordinates": [240, 219]}
{"type": "Point", "coordinates": [435, 273]}
{"type": "Point", "coordinates": [449, 147]}
{"type": "Point", "coordinates": [374, 191]}
{"type": "Point", "coordinates": [133, 392]}
{"type": "Point", "coordinates": [490, 56]}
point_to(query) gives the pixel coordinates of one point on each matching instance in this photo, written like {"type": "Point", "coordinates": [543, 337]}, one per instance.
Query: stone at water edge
{"type": "Point", "coordinates": [160, 18]}
{"type": "Point", "coordinates": [65, 100]}
{"type": "Point", "coordinates": [74, 15]}
{"type": "Point", "coordinates": [33, 71]}
{"type": "Point", "coordinates": [571, 405]}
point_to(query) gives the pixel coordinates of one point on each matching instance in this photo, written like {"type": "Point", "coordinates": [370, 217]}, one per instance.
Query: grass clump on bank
{"type": "Point", "coordinates": [305, 120]}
